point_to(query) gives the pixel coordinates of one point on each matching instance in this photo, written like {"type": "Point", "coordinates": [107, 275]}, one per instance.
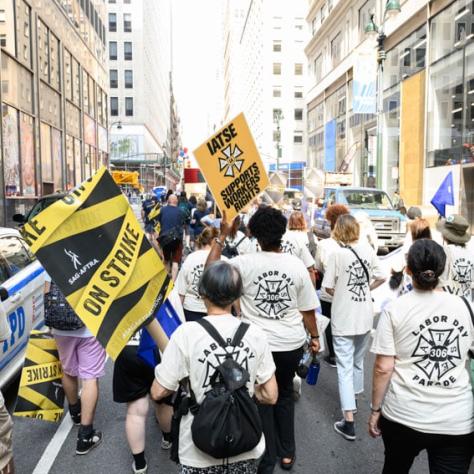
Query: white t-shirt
{"type": "Point", "coordinates": [429, 333]}
{"type": "Point", "coordinates": [458, 275]}
{"type": "Point", "coordinates": [277, 287]}
{"type": "Point", "coordinates": [296, 243]}
{"type": "Point", "coordinates": [188, 279]}
{"type": "Point", "coordinates": [352, 309]}
{"type": "Point", "coordinates": [242, 242]}
{"type": "Point", "coordinates": [324, 251]}
{"type": "Point", "coordinates": [193, 353]}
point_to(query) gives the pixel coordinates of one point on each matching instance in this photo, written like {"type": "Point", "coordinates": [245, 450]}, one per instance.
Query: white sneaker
{"type": "Point", "coordinates": [165, 444]}
{"type": "Point", "coordinates": [139, 471]}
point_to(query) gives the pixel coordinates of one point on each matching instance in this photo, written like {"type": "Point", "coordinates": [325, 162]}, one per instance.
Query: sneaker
{"type": "Point", "coordinates": [166, 445]}
{"type": "Point", "coordinates": [345, 429]}
{"type": "Point", "coordinates": [331, 361]}
{"type": "Point", "coordinates": [84, 445]}
{"type": "Point", "coordinates": [139, 471]}
{"type": "Point", "coordinates": [76, 419]}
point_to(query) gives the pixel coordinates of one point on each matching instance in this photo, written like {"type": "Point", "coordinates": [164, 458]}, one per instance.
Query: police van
{"type": "Point", "coordinates": [21, 293]}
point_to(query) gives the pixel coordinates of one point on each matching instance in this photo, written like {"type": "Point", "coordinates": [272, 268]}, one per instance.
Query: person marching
{"type": "Point", "coordinates": [324, 252]}
{"type": "Point", "coordinates": [421, 390]}
{"type": "Point", "coordinates": [197, 346]}
{"type": "Point", "coordinates": [352, 272]}
{"type": "Point", "coordinates": [190, 274]}
{"type": "Point", "coordinates": [278, 296]}
{"type": "Point", "coordinates": [458, 275]}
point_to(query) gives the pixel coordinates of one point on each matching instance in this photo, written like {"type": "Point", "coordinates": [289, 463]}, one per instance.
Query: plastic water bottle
{"type": "Point", "coordinates": [313, 372]}
{"type": "Point", "coordinates": [303, 366]}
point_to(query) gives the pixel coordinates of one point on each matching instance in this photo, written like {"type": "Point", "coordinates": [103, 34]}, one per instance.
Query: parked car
{"type": "Point", "coordinates": [389, 223]}
{"type": "Point", "coordinates": [21, 293]}
{"type": "Point", "coordinates": [42, 203]}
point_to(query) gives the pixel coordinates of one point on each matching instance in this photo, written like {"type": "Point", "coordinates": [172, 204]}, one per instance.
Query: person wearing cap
{"type": "Point", "coordinates": [458, 275]}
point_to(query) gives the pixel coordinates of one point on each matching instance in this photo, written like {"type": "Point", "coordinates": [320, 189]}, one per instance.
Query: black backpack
{"type": "Point", "coordinates": [231, 251]}
{"type": "Point", "coordinates": [227, 422]}
{"type": "Point", "coordinates": [58, 313]}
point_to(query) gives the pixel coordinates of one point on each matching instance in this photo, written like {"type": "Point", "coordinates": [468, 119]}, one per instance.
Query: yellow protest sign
{"type": "Point", "coordinates": [232, 167]}
{"type": "Point", "coordinates": [41, 394]}
{"type": "Point", "coordinates": [94, 249]}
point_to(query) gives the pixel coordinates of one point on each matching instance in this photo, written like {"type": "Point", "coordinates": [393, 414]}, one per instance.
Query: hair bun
{"type": "Point", "coordinates": [428, 275]}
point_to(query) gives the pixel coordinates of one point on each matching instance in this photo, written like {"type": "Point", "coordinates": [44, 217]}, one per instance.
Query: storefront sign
{"type": "Point", "coordinates": [364, 83]}
{"type": "Point", "coordinates": [93, 247]}
{"type": "Point", "coordinates": [231, 164]}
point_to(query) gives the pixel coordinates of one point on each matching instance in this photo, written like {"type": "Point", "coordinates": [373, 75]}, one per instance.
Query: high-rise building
{"type": "Point", "coordinates": [264, 76]}
{"type": "Point", "coordinates": [139, 61]}
{"type": "Point", "coordinates": [53, 96]}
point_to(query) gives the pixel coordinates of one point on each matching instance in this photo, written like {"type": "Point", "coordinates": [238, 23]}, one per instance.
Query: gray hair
{"type": "Point", "coordinates": [221, 284]}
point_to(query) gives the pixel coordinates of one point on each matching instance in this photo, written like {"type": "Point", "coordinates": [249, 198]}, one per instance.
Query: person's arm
{"type": "Point", "coordinates": [267, 393]}
{"type": "Point", "coordinates": [378, 274]}
{"type": "Point", "coordinates": [329, 291]}
{"type": "Point", "coordinates": [383, 369]}
{"type": "Point", "coordinates": [330, 276]}
{"type": "Point", "coordinates": [377, 283]}
{"type": "Point", "coordinates": [158, 392]}
{"type": "Point", "coordinates": [309, 321]}
{"type": "Point", "coordinates": [219, 242]}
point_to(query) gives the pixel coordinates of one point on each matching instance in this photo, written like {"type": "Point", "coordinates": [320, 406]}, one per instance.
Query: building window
{"type": "Point", "coordinates": [277, 114]}
{"type": "Point", "coordinates": [113, 78]}
{"type": "Point", "coordinates": [277, 46]}
{"type": "Point", "coordinates": [113, 50]}
{"type": "Point", "coordinates": [128, 79]}
{"type": "Point", "coordinates": [114, 106]}
{"type": "Point", "coordinates": [318, 68]}
{"type": "Point", "coordinates": [277, 68]}
{"type": "Point", "coordinates": [276, 92]}
{"type": "Point", "coordinates": [112, 1]}
{"type": "Point", "coordinates": [127, 22]}
{"type": "Point", "coordinates": [298, 137]}
{"type": "Point", "coordinates": [364, 16]}
{"type": "Point", "coordinates": [112, 22]}
{"type": "Point", "coordinates": [299, 69]}
{"type": "Point", "coordinates": [336, 52]}
{"type": "Point", "coordinates": [299, 26]}
{"type": "Point", "coordinates": [323, 12]}
{"type": "Point", "coordinates": [298, 94]}
{"type": "Point", "coordinates": [298, 114]}
{"type": "Point", "coordinates": [129, 106]}
{"type": "Point", "coordinates": [127, 1]}
{"type": "Point", "coordinates": [3, 40]}
{"type": "Point", "coordinates": [127, 51]}
{"type": "Point", "coordinates": [3, 17]}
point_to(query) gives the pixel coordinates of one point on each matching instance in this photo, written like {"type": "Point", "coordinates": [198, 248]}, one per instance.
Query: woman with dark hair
{"type": "Point", "coordinates": [421, 391]}
{"type": "Point", "coordinates": [192, 351]}
{"type": "Point", "coordinates": [324, 252]}
{"type": "Point", "coordinates": [277, 296]}
{"type": "Point", "coordinates": [352, 273]}
{"type": "Point", "coordinates": [197, 214]}
{"type": "Point", "coordinates": [190, 274]}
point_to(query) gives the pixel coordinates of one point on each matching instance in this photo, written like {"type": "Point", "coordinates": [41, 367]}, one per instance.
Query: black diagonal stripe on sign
{"type": "Point", "coordinates": [91, 248]}
{"type": "Point", "coordinates": [22, 404]}
{"type": "Point", "coordinates": [118, 309]}
{"type": "Point", "coordinates": [105, 189]}
{"type": "Point", "coordinates": [52, 390]}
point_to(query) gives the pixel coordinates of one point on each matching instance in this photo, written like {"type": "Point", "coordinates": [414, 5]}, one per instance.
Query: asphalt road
{"type": "Point", "coordinates": [319, 448]}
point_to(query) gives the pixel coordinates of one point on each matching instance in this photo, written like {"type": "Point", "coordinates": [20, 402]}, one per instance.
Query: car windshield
{"type": "Point", "coordinates": [367, 199]}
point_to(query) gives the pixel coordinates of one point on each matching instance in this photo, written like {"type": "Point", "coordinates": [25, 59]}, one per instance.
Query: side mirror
{"type": "Point", "coordinates": [3, 293]}
{"type": "Point", "coordinates": [20, 218]}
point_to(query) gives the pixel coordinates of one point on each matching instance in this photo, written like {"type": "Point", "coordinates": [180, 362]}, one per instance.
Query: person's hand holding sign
{"type": "Point", "coordinates": [219, 242]}
{"type": "Point", "coordinates": [226, 227]}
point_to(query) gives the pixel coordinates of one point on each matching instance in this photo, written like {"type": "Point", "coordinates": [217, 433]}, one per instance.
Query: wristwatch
{"type": "Point", "coordinates": [375, 410]}
{"type": "Point", "coordinates": [315, 337]}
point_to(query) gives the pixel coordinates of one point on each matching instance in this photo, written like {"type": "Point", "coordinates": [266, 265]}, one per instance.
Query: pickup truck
{"type": "Point", "coordinates": [389, 224]}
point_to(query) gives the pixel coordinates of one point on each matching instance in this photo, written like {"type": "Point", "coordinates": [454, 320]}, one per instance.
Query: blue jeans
{"type": "Point", "coordinates": [350, 352]}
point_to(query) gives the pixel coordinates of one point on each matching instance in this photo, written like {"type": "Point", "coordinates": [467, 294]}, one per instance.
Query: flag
{"type": "Point", "coordinates": [94, 249]}
{"type": "Point", "coordinates": [41, 393]}
{"type": "Point", "coordinates": [169, 321]}
{"type": "Point", "coordinates": [444, 195]}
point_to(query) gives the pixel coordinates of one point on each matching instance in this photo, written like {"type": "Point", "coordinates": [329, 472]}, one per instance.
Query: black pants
{"type": "Point", "coordinates": [279, 420]}
{"type": "Point", "coordinates": [326, 310]}
{"type": "Point", "coordinates": [447, 454]}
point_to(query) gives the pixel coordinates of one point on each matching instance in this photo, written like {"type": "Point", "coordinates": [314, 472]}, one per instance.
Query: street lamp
{"type": "Point", "coordinates": [277, 118]}
{"type": "Point", "coordinates": [392, 8]}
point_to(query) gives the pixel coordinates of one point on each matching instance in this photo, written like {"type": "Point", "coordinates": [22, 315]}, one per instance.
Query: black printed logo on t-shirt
{"type": "Point", "coordinates": [196, 275]}
{"type": "Point", "coordinates": [273, 294]}
{"type": "Point", "coordinates": [462, 277]}
{"type": "Point", "coordinates": [214, 355]}
{"type": "Point", "coordinates": [438, 350]}
{"type": "Point", "coordinates": [357, 283]}
{"type": "Point", "coordinates": [288, 247]}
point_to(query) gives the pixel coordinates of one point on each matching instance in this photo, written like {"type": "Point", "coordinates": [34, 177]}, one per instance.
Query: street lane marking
{"type": "Point", "coordinates": [52, 450]}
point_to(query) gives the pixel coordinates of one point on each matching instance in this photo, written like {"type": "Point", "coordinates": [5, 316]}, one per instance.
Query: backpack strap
{"type": "Point", "coordinates": [240, 241]}
{"type": "Point", "coordinates": [360, 261]}
{"type": "Point", "coordinates": [239, 334]}
{"type": "Point", "coordinates": [212, 331]}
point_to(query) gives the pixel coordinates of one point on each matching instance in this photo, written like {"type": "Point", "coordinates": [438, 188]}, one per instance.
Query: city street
{"type": "Point", "coordinates": [319, 448]}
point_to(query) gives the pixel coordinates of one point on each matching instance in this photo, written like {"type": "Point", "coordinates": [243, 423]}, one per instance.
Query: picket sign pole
{"type": "Point", "coordinates": [158, 335]}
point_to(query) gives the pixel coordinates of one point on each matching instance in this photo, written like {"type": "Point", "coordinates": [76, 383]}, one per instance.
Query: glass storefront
{"type": "Point", "coordinates": [450, 129]}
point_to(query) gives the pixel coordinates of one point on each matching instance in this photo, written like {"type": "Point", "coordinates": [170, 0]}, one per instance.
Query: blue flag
{"type": "Point", "coordinates": [169, 321]}
{"type": "Point", "coordinates": [444, 195]}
